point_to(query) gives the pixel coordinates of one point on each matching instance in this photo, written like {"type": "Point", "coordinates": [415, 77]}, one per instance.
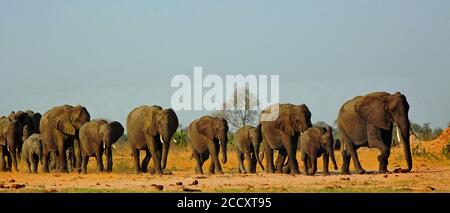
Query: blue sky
{"type": "Point", "coordinates": [112, 56]}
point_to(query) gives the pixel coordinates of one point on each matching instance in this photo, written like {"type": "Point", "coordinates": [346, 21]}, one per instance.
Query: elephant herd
{"type": "Point", "coordinates": [65, 136]}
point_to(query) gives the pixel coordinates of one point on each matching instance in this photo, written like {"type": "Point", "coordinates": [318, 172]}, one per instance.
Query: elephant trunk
{"type": "Point", "coordinates": [223, 146]}
{"type": "Point", "coordinates": [332, 157]}
{"type": "Point", "coordinates": [165, 153]}
{"type": "Point", "coordinates": [404, 136]}
{"type": "Point", "coordinates": [256, 150]}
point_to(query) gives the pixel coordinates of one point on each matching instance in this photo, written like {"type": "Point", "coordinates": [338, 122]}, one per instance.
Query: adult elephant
{"type": "Point", "coordinates": [10, 138]}
{"type": "Point", "coordinates": [97, 137]}
{"type": "Point", "coordinates": [151, 128]}
{"type": "Point", "coordinates": [247, 142]}
{"type": "Point", "coordinates": [207, 135]}
{"type": "Point", "coordinates": [59, 129]}
{"type": "Point", "coordinates": [367, 121]}
{"type": "Point", "coordinates": [15, 129]}
{"type": "Point", "coordinates": [281, 133]}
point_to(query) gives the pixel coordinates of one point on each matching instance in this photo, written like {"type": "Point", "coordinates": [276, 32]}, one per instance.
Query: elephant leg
{"type": "Point", "coordinates": [54, 161]}
{"type": "Point", "coordinates": [253, 164]}
{"type": "Point", "coordinates": [145, 161]}
{"type": "Point", "coordinates": [214, 153]}
{"type": "Point", "coordinates": [198, 163]}
{"type": "Point", "coordinates": [77, 155]}
{"type": "Point", "coordinates": [99, 157]}
{"type": "Point", "coordinates": [151, 144]}
{"type": "Point", "coordinates": [248, 158]}
{"type": "Point", "coordinates": [351, 149]}
{"type": "Point", "coordinates": [305, 163]}
{"type": "Point", "coordinates": [84, 163]}
{"type": "Point", "coordinates": [269, 159]}
{"type": "Point", "coordinates": [136, 159]}
{"type": "Point", "coordinates": [325, 159]}
{"type": "Point", "coordinates": [45, 159]}
{"type": "Point", "coordinates": [9, 162]}
{"type": "Point", "coordinates": [241, 168]}
{"type": "Point", "coordinates": [345, 162]}
{"type": "Point", "coordinates": [383, 157]}
{"type": "Point", "coordinates": [27, 162]}
{"type": "Point", "coordinates": [14, 158]}
{"type": "Point", "coordinates": [2, 159]}
{"type": "Point", "coordinates": [62, 154]}
{"type": "Point", "coordinates": [34, 163]}
{"type": "Point", "coordinates": [313, 169]}
{"type": "Point", "coordinates": [280, 160]}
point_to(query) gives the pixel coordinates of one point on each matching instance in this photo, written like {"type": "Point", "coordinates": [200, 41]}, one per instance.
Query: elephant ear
{"type": "Point", "coordinates": [284, 123]}
{"type": "Point", "coordinates": [204, 127]}
{"type": "Point", "coordinates": [66, 127]}
{"type": "Point", "coordinates": [373, 110]}
{"type": "Point", "coordinates": [149, 126]}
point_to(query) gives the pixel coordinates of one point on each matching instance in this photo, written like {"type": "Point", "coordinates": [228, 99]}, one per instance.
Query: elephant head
{"type": "Point", "coordinates": [36, 147]}
{"type": "Point", "coordinates": [35, 118]}
{"type": "Point", "coordinates": [327, 143]}
{"type": "Point", "coordinates": [164, 124]}
{"type": "Point", "coordinates": [109, 134]}
{"type": "Point", "coordinates": [215, 129]}
{"type": "Point", "coordinates": [384, 109]}
{"type": "Point", "coordinates": [70, 119]}
{"type": "Point", "coordinates": [293, 119]}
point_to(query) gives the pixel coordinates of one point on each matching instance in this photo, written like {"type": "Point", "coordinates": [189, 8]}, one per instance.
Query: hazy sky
{"type": "Point", "coordinates": [112, 56]}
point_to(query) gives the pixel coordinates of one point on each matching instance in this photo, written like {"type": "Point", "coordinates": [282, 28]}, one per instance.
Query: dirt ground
{"type": "Point", "coordinates": [428, 175]}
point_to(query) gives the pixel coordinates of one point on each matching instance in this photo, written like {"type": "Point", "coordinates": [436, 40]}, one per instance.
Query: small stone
{"type": "Point", "coordinates": [12, 181]}
{"type": "Point", "coordinates": [160, 187]}
{"type": "Point", "coordinates": [345, 178]}
{"type": "Point", "coordinates": [431, 188]}
{"type": "Point", "coordinates": [195, 182]}
{"type": "Point", "coordinates": [98, 184]}
{"type": "Point", "coordinates": [191, 190]}
{"type": "Point", "coordinates": [385, 176]}
{"type": "Point", "coordinates": [107, 185]}
{"type": "Point", "coordinates": [17, 186]}
{"type": "Point", "coordinates": [179, 183]}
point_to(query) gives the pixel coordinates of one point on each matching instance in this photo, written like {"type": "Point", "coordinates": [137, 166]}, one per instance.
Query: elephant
{"type": "Point", "coordinates": [96, 137]}
{"type": "Point", "coordinates": [281, 133]}
{"type": "Point", "coordinates": [314, 143]}
{"type": "Point", "coordinates": [247, 142]}
{"type": "Point", "coordinates": [368, 121]}
{"type": "Point", "coordinates": [151, 128]}
{"type": "Point", "coordinates": [207, 135]}
{"type": "Point", "coordinates": [32, 152]}
{"type": "Point", "coordinates": [14, 130]}
{"type": "Point", "coordinates": [59, 129]}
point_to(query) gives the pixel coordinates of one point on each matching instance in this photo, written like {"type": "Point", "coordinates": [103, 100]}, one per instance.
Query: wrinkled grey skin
{"type": "Point", "coordinates": [247, 142]}
{"type": "Point", "coordinates": [32, 152]}
{"type": "Point", "coordinates": [368, 121]}
{"type": "Point", "coordinates": [207, 135]}
{"type": "Point", "coordinates": [314, 143]}
{"type": "Point", "coordinates": [151, 128]}
{"type": "Point", "coordinates": [97, 137]}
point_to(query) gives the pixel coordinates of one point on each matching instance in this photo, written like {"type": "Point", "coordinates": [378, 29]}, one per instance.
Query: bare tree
{"type": "Point", "coordinates": [239, 110]}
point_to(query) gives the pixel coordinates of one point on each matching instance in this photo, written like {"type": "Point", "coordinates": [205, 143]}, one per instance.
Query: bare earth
{"type": "Point", "coordinates": [428, 175]}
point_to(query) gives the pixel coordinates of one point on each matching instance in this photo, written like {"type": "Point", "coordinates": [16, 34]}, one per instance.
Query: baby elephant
{"type": "Point", "coordinates": [313, 143]}
{"type": "Point", "coordinates": [96, 137]}
{"type": "Point", "coordinates": [247, 143]}
{"type": "Point", "coordinates": [32, 152]}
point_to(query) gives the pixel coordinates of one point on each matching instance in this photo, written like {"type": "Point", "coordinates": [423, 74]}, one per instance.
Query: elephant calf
{"type": "Point", "coordinates": [95, 138]}
{"type": "Point", "coordinates": [247, 141]}
{"type": "Point", "coordinates": [313, 143]}
{"type": "Point", "coordinates": [32, 152]}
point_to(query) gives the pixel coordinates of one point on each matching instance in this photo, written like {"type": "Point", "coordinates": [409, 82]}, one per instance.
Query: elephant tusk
{"type": "Point", "coordinates": [7, 148]}
{"type": "Point", "coordinates": [104, 146]}
{"type": "Point", "coordinates": [114, 147]}
{"type": "Point", "coordinates": [175, 141]}
{"type": "Point", "coordinates": [161, 139]}
{"type": "Point", "coordinates": [398, 134]}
